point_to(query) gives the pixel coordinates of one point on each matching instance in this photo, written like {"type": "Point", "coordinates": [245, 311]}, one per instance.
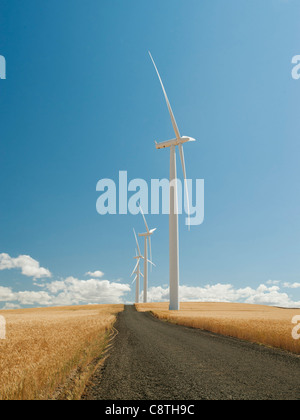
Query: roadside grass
{"type": "Point", "coordinates": [265, 325]}
{"type": "Point", "coordinates": [50, 353]}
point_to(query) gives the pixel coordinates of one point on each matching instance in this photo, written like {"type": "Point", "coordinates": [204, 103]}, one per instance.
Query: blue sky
{"type": "Point", "coordinates": [82, 102]}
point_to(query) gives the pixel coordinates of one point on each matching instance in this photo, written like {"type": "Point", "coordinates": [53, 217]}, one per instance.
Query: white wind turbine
{"type": "Point", "coordinates": [138, 273]}
{"type": "Point", "coordinates": [137, 270]}
{"type": "Point", "coordinates": [147, 236]}
{"type": "Point", "coordinates": [173, 218]}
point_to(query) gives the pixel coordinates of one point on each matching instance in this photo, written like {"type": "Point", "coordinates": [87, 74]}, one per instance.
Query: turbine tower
{"type": "Point", "coordinates": [137, 270]}
{"type": "Point", "coordinates": [147, 237]}
{"type": "Point", "coordinates": [138, 273]}
{"type": "Point", "coordinates": [173, 217]}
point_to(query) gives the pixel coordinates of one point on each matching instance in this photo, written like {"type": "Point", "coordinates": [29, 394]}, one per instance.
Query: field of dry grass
{"type": "Point", "coordinates": [260, 324]}
{"type": "Point", "coordinates": [51, 352]}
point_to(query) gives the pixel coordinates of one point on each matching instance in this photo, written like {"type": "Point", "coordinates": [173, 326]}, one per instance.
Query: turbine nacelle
{"type": "Point", "coordinates": [147, 233]}
{"type": "Point", "coordinates": [140, 257]}
{"type": "Point", "coordinates": [173, 142]}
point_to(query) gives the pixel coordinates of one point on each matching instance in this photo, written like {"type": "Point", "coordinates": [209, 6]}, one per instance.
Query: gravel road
{"type": "Point", "coordinates": [155, 360]}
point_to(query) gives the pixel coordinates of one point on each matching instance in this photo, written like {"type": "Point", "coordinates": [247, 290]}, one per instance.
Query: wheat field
{"type": "Point", "coordinates": [256, 323]}
{"type": "Point", "coordinates": [49, 353]}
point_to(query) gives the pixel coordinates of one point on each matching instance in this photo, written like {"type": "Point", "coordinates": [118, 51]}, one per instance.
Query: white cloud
{"type": "Point", "coordinates": [75, 291]}
{"type": "Point", "coordinates": [70, 291]}
{"type": "Point", "coordinates": [291, 285]}
{"type": "Point", "coordinates": [28, 266]}
{"type": "Point", "coordinates": [6, 294]}
{"type": "Point", "coordinates": [263, 295]}
{"type": "Point", "coordinates": [33, 298]}
{"type": "Point", "coordinates": [97, 274]}
{"type": "Point", "coordinates": [273, 282]}
{"type": "Point", "coordinates": [9, 305]}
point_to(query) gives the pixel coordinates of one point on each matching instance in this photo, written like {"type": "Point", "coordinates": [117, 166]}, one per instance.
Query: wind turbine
{"type": "Point", "coordinates": [147, 237]}
{"type": "Point", "coordinates": [138, 273]}
{"type": "Point", "coordinates": [173, 217]}
{"type": "Point", "coordinates": [137, 270]}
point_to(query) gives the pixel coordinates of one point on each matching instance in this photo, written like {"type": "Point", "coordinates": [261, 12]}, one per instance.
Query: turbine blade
{"type": "Point", "coordinates": [150, 262]}
{"type": "Point", "coordinates": [144, 219]}
{"type": "Point", "coordinates": [175, 127]}
{"type": "Point", "coordinates": [137, 242]}
{"type": "Point", "coordinates": [134, 269]}
{"type": "Point", "coordinates": [142, 274]}
{"type": "Point", "coordinates": [185, 180]}
{"type": "Point", "coordinates": [150, 252]}
{"type": "Point", "coordinates": [134, 279]}
{"type": "Point", "coordinates": [182, 160]}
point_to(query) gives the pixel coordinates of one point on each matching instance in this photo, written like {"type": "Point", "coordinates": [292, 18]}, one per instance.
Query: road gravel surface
{"type": "Point", "coordinates": [155, 360]}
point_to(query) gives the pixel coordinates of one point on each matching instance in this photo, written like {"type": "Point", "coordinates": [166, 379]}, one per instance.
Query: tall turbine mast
{"type": "Point", "coordinates": [147, 237]}
{"type": "Point", "coordinates": [173, 217]}
{"type": "Point", "coordinates": [138, 274]}
{"type": "Point", "coordinates": [137, 270]}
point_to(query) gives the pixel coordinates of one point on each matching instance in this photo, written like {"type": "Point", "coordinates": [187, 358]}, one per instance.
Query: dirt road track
{"type": "Point", "coordinates": [154, 360]}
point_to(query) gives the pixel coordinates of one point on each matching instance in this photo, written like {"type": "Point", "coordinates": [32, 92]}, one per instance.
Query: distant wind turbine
{"type": "Point", "coordinates": [173, 217]}
{"type": "Point", "coordinates": [138, 273]}
{"type": "Point", "coordinates": [147, 236]}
